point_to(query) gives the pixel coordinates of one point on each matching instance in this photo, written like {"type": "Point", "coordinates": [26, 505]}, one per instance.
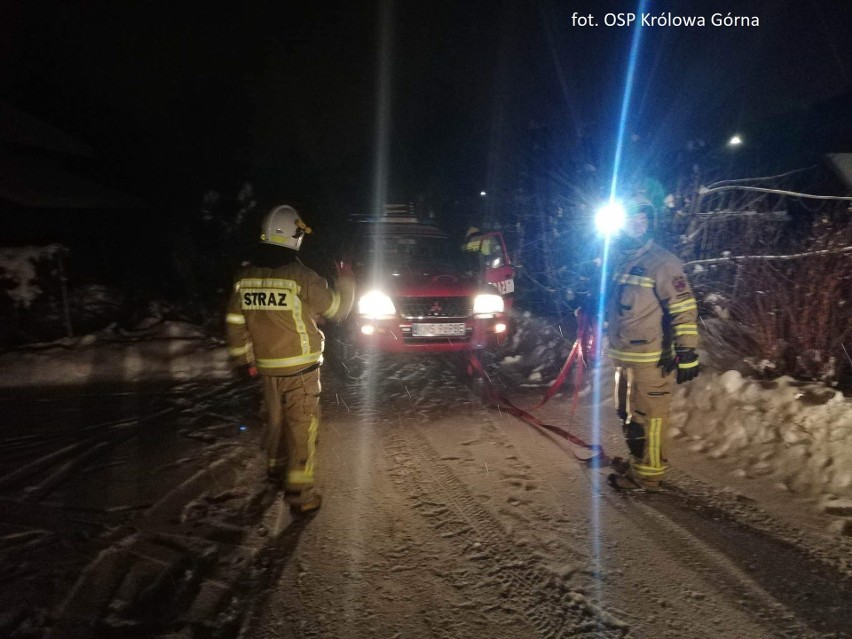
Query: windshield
{"type": "Point", "coordinates": [397, 253]}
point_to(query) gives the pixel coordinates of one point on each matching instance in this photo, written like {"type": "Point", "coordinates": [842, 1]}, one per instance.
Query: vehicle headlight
{"type": "Point", "coordinates": [487, 304]}
{"type": "Point", "coordinates": [375, 304]}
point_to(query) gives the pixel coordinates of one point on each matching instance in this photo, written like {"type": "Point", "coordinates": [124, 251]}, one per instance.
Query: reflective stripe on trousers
{"type": "Point", "coordinates": [292, 412]}
{"type": "Point", "coordinates": [643, 396]}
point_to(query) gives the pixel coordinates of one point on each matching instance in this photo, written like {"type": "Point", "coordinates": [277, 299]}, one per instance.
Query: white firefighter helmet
{"type": "Point", "coordinates": [282, 226]}
{"type": "Point", "coordinates": [639, 204]}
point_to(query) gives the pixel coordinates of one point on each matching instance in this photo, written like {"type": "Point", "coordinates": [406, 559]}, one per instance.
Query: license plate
{"type": "Point", "coordinates": [505, 287]}
{"type": "Point", "coordinates": [437, 330]}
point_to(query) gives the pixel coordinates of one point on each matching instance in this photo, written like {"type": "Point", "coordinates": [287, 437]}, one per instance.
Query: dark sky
{"type": "Point", "coordinates": [180, 97]}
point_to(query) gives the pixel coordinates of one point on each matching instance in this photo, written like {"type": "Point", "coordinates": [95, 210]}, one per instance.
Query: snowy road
{"type": "Point", "coordinates": [123, 510]}
{"type": "Point", "coordinates": [142, 513]}
{"type": "Point", "coordinates": [447, 519]}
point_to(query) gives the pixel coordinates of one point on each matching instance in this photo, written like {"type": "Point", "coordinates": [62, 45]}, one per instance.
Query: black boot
{"type": "Point", "coordinates": [630, 483]}
{"type": "Point", "coordinates": [302, 504]}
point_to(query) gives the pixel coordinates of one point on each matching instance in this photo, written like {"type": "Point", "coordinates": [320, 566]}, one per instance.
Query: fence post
{"type": "Point", "coordinates": [737, 265]}
{"type": "Point", "coordinates": [63, 285]}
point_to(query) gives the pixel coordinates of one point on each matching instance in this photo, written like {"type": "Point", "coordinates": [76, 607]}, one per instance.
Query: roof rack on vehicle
{"type": "Point", "coordinates": [390, 213]}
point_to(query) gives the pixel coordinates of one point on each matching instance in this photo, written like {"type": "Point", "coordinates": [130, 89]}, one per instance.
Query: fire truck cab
{"type": "Point", "coordinates": [419, 291]}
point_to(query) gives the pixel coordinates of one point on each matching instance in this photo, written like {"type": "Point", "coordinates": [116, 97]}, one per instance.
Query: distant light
{"type": "Point", "coordinates": [499, 328]}
{"type": "Point", "coordinates": [482, 194]}
{"type": "Point", "coordinates": [610, 217]}
{"type": "Point", "coordinates": [735, 140]}
{"type": "Point", "coordinates": [243, 427]}
{"type": "Point", "coordinates": [368, 329]}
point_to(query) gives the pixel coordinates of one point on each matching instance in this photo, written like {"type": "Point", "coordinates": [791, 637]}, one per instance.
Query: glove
{"type": "Point", "coordinates": [345, 286]}
{"type": "Point", "coordinates": [246, 371]}
{"type": "Point", "coordinates": [686, 362]}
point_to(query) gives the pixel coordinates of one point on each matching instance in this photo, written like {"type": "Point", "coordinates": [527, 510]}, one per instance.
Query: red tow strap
{"type": "Point", "coordinates": [580, 352]}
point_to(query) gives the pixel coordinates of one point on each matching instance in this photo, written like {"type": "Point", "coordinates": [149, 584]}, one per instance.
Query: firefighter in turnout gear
{"type": "Point", "coordinates": [272, 332]}
{"type": "Point", "coordinates": [651, 315]}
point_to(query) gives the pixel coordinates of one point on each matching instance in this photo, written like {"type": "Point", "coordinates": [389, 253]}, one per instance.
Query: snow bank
{"type": "Point", "coordinates": [153, 351]}
{"type": "Point", "coordinates": [797, 434]}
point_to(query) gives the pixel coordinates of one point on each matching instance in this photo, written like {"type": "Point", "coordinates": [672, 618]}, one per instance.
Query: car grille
{"type": "Point", "coordinates": [411, 307]}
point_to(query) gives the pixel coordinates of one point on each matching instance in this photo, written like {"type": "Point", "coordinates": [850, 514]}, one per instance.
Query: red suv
{"type": "Point", "coordinates": [420, 291]}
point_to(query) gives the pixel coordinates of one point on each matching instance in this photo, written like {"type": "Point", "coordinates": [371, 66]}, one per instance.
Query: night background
{"type": "Point", "coordinates": [156, 104]}
{"type": "Point", "coordinates": [468, 441]}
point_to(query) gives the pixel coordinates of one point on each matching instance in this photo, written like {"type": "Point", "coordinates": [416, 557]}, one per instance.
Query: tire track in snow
{"type": "Point", "coordinates": [813, 597]}
{"type": "Point", "coordinates": [547, 602]}
{"type": "Point", "coordinates": [458, 516]}
{"type": "Point", "coordinates": [653, 520]}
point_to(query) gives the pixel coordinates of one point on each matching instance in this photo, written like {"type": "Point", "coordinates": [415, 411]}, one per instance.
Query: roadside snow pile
{"type": "Point", "coordinates": [535, 350]}
{"type": "Point", "coordinates": [154, 350]}
{"type": "Point", "coordinates": [797, 434]}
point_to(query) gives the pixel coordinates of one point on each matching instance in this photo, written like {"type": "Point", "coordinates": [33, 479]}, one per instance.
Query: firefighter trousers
{"type": "Point", "coordinates": [643, 400]}
{"type": "Point", "coordinates": [292, 415]}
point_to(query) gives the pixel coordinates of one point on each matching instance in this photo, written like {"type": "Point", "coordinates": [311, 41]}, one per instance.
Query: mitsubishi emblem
{"type": "Point", "coordinates": [436, 307]}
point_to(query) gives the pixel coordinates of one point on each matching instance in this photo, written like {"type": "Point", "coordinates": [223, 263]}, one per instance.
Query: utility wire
{"type": "Point", "coordinates": [755, 179]}
{"type": "Point", "coordinates": [731, 258]}
{"type": "Point", "coordinates": [704, 191]}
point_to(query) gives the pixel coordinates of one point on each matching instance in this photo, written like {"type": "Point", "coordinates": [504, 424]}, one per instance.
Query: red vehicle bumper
{"type": "Point", "coordinates": [397, 336]}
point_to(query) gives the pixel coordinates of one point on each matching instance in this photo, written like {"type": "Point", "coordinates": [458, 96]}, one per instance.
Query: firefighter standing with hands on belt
{"type": "Point", "coordinates": [272, 332]}
{"type": "Point", "coordinates": [651, 316]}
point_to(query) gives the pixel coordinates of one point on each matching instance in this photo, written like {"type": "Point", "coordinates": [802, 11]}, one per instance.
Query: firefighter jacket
{"type": "Point", "coordinates": [271, 317]}
{"type": "Point", "coordinates": [651, 310]}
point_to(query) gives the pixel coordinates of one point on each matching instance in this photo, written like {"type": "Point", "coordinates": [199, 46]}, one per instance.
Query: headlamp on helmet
{"type": "Point", "coordinates": [609, 218]}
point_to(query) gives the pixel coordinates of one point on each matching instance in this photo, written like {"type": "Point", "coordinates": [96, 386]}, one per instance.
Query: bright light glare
{"type": "Point", "coordinates": [482, 194]}
{"type": "Point", "coordinates": [368, 329]}
{"type": "Point", "coordinates": [735, 140]}
{"type": "Point", "coordinates": [499, 328]}
{"type": "Point", "coordinates": [610, 217]}
{"type": "Point", "coordinates": [487, 303]}
{"type": "Point", "coordinates": [375, 304]}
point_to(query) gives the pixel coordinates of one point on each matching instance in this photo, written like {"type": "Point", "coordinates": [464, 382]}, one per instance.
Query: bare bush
{"type": "Point", "coordinates": [797, 309]}
{"type": "Point", "coordinates": [777, 262]}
